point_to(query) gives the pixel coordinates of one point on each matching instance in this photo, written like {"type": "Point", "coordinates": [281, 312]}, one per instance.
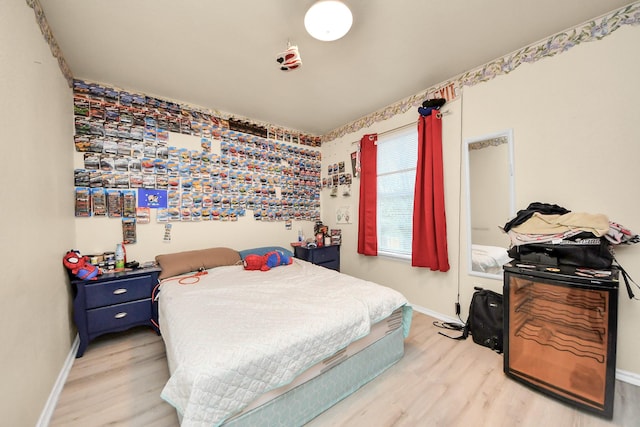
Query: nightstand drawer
{"type": "Point", "coordinates": [117, 291]}
{"type": "Point", "coordinates": [324, 254]}
{"type": "Point", "coordinates": [119, 316]}
{"type": "Point", "coordinates": [332, 265]}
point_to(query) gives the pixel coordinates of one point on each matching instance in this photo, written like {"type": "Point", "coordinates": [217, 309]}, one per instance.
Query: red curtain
{"type": "Point", "coordinates": [429, 245]}
{"type": "Point", "coordinates": [367, 212]}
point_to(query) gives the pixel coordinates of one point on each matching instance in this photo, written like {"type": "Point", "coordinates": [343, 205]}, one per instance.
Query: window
{"type": "Point", "coordinates": [397, 159]}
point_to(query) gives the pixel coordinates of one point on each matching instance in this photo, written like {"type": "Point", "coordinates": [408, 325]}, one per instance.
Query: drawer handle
{"type": "Point", "coordinates": [120, 315]}
{"type": "Point", "coordinates": [120, 291]}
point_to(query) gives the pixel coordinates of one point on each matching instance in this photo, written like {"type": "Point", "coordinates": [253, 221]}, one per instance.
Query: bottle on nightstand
{"type": "Point", "coordinates": [119, 257]}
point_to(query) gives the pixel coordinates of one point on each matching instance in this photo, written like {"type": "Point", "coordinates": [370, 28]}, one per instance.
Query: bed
{"type": "Point", "coordinates": [276, 347]}
{"type": "Point", "coordinates": [488, 259]}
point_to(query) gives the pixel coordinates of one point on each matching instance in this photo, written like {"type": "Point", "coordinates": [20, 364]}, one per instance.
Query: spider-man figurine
{"type": "Point", "coordinates": [80, 265]}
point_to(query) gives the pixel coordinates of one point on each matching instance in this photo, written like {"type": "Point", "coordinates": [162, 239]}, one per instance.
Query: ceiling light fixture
{"type": "Point", "coordinates": [328, 20]}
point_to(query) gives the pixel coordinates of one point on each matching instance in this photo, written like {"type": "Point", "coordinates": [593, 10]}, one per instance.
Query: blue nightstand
{"type": "Point", "coordinates": [325, 256]}
{"type": "Point", "coordinates": [114, 302]}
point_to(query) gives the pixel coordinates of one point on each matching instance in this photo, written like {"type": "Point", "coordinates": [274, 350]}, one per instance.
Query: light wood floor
{"type": "Point", "coordinates": [439, 382]}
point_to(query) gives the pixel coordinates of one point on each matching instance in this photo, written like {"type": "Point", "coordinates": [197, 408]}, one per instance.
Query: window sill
{"type": "Point", "coordinates": [395, 256]}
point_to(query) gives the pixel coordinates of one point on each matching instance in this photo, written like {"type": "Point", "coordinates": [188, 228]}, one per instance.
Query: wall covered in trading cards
{"type": "Point", "coordinates": [153, 171]}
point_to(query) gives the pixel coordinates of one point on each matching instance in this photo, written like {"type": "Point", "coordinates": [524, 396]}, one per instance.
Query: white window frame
{"type": "Point", "coordinates": [400, 137]}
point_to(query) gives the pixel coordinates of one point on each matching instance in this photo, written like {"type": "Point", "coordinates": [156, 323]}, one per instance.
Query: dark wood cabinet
{"type": "Point", "coordinates": [325, 256]}
{"type": "Point", "coordinates": [114, 302]}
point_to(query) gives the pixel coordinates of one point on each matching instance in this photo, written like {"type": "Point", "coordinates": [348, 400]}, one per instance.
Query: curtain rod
{"type": "Point", "coordinates": [444, 113]}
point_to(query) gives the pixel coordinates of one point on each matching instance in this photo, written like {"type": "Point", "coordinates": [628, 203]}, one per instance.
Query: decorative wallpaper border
{"type": "Point", "coordinates": [493, 142]}
{"type": "Point", "coordinates": [558, 43]}
{"type": "Point", "coordinates": [51, 40]}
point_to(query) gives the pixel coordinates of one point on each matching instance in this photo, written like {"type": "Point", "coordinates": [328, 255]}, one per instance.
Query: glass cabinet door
{"type": "Point", "coordinates": [560, 338]}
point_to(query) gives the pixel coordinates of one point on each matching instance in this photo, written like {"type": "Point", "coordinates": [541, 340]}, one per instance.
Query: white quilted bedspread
{"type": "Point", "coordinates": [237, 334]}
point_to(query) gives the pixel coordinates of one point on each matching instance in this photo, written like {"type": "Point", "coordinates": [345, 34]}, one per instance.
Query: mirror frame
{"type": "Point", "coordinates": [508, 133]}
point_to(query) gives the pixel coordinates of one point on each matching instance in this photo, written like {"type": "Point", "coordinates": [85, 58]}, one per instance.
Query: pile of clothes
{"type": "Point", "coordinates": [549, 234]}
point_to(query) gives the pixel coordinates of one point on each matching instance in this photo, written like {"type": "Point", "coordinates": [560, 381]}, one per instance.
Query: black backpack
{"type": "Point", "coordinates": [484, 324]}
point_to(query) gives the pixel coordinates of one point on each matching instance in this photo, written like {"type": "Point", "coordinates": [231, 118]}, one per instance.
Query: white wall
{"type": "Point", "coordinates": [36, 212]}
{"type": "Point", "coordinates": [575, 120]}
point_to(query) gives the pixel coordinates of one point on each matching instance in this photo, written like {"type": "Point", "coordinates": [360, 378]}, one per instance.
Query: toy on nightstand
{"type": "Point", "coordinates": [267, 261]}
{"type": "Point", "coordinates": [80, 266]}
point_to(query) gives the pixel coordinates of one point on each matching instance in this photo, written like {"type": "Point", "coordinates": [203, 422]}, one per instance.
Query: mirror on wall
{"type": "Point", "coordinates": [490, 201]}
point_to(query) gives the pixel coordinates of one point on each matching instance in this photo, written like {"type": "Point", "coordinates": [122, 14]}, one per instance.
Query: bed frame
{"type": "Point", "coordinates": [308, 400]}
{"type": "Point", "coordinates": [332, 380]}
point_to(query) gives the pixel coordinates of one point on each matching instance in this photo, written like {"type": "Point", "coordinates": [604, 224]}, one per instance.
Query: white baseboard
{"type": "Point", "coordinates": [435, 314]}
{"type": "Point", "coordinates": [50, 406]}
{"type": "Point", "coordinates": [628, 377]}
{"type": "Point", "coordinates": [625, 376]}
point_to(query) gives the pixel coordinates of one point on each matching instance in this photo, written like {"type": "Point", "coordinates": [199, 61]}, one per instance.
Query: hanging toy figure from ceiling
{"type": "Point", "coordinates": [289, 59]}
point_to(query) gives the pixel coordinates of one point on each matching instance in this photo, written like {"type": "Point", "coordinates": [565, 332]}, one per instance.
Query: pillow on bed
{"type": "Point", "coordinates": [188, 261]}
{"type": "Point", "coordinates": [264, 249]}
